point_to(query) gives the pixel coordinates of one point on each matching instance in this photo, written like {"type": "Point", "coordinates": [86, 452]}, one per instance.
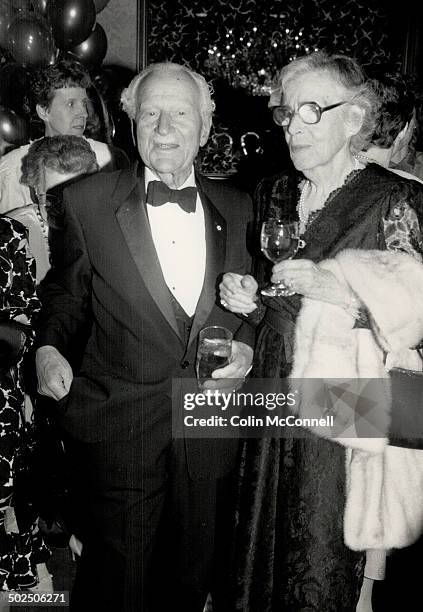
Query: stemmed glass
{"type": "Point", "coordinates": [280, 241]}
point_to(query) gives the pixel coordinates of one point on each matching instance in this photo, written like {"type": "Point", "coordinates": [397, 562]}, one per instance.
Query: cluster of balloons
{"type": "Point", "coordinates": [35, 33]}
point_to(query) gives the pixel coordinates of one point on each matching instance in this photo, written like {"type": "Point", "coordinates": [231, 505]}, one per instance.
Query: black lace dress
{"type": "Point", "coordinates": [289, 550]}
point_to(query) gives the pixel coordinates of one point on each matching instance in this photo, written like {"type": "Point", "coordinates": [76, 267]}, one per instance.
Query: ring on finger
{"type": "Point", "coordinates": [224, 303]}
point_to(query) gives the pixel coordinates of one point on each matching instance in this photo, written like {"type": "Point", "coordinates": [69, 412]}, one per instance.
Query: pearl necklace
{"type": "Point", "coordinates": [303, 215]}
{"type": "Point", "coordinates": [43, 224]}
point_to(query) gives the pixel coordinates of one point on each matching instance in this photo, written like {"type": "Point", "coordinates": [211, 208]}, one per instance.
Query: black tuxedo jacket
{"type": "Point", "coordinates": [110, 278]}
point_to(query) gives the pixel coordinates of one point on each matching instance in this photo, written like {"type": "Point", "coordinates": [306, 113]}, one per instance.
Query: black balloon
{"type": "Point", "coordinates": [30, 41]}
{"type": "Point", "coordinates": [92, 51]}
{"type": "Point", "coordinates": [100, 4]}
{"type": "Point", "coordinates": [71, 21]}
{"type": "Point", "coordinates": [13, 128]}
{"type": "Point", "coordinates": [40, 7]}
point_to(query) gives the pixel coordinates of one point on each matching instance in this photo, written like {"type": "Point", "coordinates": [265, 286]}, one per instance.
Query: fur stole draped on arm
{"type": "Point", "coordinates": [384, 498]}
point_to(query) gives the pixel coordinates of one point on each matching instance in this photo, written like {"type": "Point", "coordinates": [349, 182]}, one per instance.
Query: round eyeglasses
{"type": "Point", "coordinates": [309, 112]}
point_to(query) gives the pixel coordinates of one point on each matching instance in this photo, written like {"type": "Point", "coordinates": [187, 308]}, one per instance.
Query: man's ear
{"type": "Point", "coordinates": [354, 119]}
{"type": "Point", "coordinates": [42, 112]}
{"type": "Point", "coordinates": [205, 131]}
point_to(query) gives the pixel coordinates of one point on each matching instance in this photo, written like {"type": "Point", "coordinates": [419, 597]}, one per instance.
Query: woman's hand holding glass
{"type": "Point", "coordinates": [238, 293]}
{"type": "Point", "coordinates": [312, 281]}
{"type": "Point", "coordinates": [279, 241]}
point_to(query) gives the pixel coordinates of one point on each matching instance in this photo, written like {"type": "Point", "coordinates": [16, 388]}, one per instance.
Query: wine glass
{"type": "Point", "coordinates": [280, 241]}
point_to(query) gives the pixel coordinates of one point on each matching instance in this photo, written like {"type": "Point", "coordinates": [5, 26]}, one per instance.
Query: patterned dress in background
{"type": "Point", "coordinates": [19, 552]}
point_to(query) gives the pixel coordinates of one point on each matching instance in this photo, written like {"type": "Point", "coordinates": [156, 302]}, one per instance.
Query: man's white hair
{"type": "Point", "coordinates": [129, 97]}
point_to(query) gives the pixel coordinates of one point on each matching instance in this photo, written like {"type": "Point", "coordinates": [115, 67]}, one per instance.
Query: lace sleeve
{"type": "Point", "coordinates": [402, 230]}
{"type": "Point", "coordinates": [256, 317]}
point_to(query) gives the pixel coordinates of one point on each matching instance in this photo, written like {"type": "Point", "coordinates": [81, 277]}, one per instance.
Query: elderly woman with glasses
{"type": "Point", "coordinates": [298, 542]}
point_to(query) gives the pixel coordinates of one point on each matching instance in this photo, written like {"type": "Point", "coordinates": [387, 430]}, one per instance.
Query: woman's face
{"type": "Point", "coordinates": [314, 145]}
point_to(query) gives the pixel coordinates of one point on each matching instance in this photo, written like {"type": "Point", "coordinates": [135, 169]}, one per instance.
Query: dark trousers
{"type": "Point", "coordinates": [147, 529]}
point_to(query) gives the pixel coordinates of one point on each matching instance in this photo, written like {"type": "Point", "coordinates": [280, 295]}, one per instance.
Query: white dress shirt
{"type": "Point", "coordinates": [179, 239]}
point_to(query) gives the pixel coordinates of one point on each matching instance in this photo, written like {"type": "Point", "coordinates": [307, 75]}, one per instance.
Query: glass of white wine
{"type": "Point", "coordinates": [280, 241]}
{"type": "Point", "coordinates": [214, 351]}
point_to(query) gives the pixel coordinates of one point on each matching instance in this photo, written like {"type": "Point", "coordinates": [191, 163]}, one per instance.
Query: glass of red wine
{"type": "Point", "coordinates": [280, 241]}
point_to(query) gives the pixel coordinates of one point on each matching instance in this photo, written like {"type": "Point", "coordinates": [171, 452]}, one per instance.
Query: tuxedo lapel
{"type": "Point", "coordinates": [133, 220]}
{"type": "Point", "coordinates": [215, 231]}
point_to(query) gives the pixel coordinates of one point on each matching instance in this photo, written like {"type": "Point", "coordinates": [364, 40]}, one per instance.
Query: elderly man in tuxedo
{"type": "Point", "coordinates": [144, 251]}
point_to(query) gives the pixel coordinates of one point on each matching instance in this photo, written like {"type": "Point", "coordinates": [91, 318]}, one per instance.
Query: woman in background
{"type": "Point", "coordinates": [50, 163]}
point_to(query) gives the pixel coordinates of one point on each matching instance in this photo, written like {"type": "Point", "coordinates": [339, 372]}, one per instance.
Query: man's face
{"type": "Point", "coordinates": [67, 113]}
{"type": "Point", "coordinates": [170, 129]}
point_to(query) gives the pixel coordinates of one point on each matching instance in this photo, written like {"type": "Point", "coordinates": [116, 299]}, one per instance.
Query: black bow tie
{"type": "Point", "coordinates": [158, 193]}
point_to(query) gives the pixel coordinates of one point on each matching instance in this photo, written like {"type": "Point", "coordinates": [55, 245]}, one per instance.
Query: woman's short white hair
{"type": "Point", "coordinates": [345, 71]}
{"type": "Point", "coordinates": [130, 94]}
